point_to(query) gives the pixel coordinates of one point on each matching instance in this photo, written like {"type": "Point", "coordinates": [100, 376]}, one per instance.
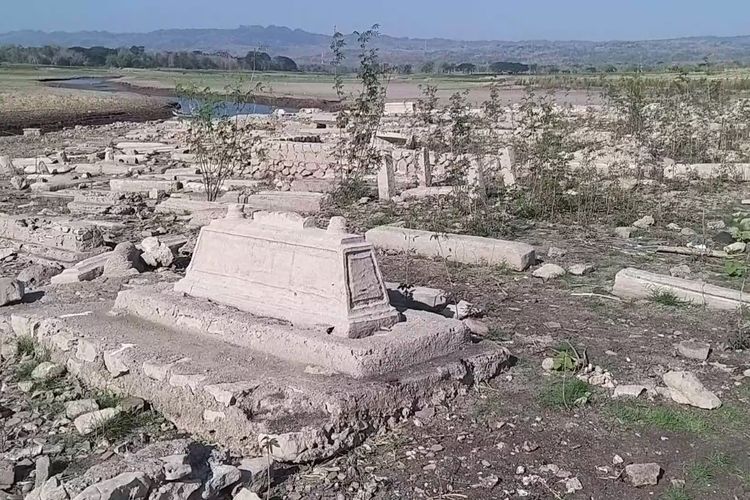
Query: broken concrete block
{"type": "Point", "coordinates": [417, 297]}
{"type": "Point", "coordinates": [176, 467]}
{"type": "Point", "coordinates": [11, 291]}
{"type": "Point", "coordinates": [114, 363]}
{"type": "Point", "coordinates": [183, 490]}
{"type": "Point", "coordinates": [633, 283]}
{"type": "Point", "coordinates": [39, 274]}
{"type": "Point", "coordinates": [694, 350]}
{"type": "Point", "coordinates": [143, 185]}
{"type": "Point", "coordinates": [644, 222]}
{"type": "Point", "coordinates": [54, 238]}
{"type": "Point", "coordinates": [222, 477]}
{"type": "Point", "coordinates": [581, 269]}
{"type": "Point", "coordinates": [228, 393]}
{"type": "Point", "coordinates": [455, 247]}
{"type": "Point", "coordinates": [685, 388]}
{"type": "Point", "coordinates": [624, 232]}
{"type": "Point", "coordinates": [278, 266]}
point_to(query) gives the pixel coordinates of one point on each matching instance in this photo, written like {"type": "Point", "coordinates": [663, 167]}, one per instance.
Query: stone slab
{"type": "Point", "coordinates": [633, 283]}
{"type": "Point", "coordinates": [312, 414]}
{"type": "Point", "coordinates": [279, 265]}
{"type": "Point", "coordinates": [143, 185]}
{"type": "Point", "coordinates": [422, 192]}
{"type": "Point", "coordinates": [422, 337]}
{"type": "Point", "coordinates": [314, 185]}
{"type": "Point", "coordinates": [417, 297]}
{"type": "Point", "coordinates": [287, 201]}
{"type": "Point", "coordinates": [54, 238]}
{"type": "Point", "coordinates": [456, 247]}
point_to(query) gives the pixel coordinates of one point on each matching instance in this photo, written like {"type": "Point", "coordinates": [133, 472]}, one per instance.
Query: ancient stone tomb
{"type": "Point", "coordinates": [280, 265]}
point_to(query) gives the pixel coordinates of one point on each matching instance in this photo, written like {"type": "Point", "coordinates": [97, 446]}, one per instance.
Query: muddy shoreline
{"type": "Point", "coordinates": [158, 104]}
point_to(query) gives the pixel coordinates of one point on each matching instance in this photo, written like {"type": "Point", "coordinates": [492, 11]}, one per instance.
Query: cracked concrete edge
{"type": "Point", "coordinates": [191, 403]}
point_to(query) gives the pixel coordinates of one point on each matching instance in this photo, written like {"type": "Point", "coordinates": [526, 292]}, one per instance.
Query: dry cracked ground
{"type": "Point", "coordinates": [547, 428]}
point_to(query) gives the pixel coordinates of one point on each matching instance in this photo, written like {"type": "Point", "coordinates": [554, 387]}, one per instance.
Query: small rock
{"type": "Point", "coordinates": [555, 252]}
{"type": "Point", "coordinates": [624, 232]}
{"type": "Point", "coordinates": [572, 485]}
{"type": "Point", "coordinates": [694, 350]}
{"type": "Point", "coordinates": [686, 231]}
{"type": "Point", "coordinates": [245, 494]}
{"type": "Point", "coordinates": [38, 274]}
{"type": "Point", "coordinates": [477, 327]}
{"type": "Point", "coordinates": [11, 291]}
{"type": "Point", "coordinates": [643, 474]}
{"type": "Point", "coordinates": [549, 271]}
{"type": "Point", "coordinates": [74, 409]}
{"type": "Point", "coordinates": [644, 222]}
{"type": "Point", "coordinates": [131, 404]}
{"type": "Point", "coordinates": [673, 227]}
{"type": "Point", "coordinates": [736, 247]}
{"type": "Point", "coordinates": [176, 467]}
{"type": "Point", "coordinates": [425, 414]}
{"type": "Point", "coordinates": [581, 269]}
{"type": "Point", "coordinates": [685, 388]}
{"type": "Point", "coordinates": [176, 491]}
{"type": "Point", "coordinates": [222, 476]}
{"type": "Point", "coordinates": [19, 182]}
{"type": "Point", "coordinates": [548, 364]}
{"type": "Point", "coordinates": [632, 391]}
{"type": "Point", "coordinates": [155, 253]}
{"type": "Point", "coordinates": [47, 371]}
{"type": "Point", "coordinates": [256, 472]}
{"type": "Point", "coordinates": [681, 271]}
{"type": "Point", "coordinates": [89, 422]}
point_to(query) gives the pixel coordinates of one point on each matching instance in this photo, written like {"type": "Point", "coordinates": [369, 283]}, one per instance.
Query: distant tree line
{"type": "Point", "coordinates": [137, 57]}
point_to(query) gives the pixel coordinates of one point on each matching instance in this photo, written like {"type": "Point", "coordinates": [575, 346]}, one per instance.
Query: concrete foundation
{"type": "Point", "coordinates": [218, 387]}
{"type": "Point", "coordinates": [54, 239]}
{"type": "Point", "coordinates": [455, 247]}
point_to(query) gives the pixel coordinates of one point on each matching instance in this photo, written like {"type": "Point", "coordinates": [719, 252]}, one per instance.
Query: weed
{"type": "Point", "coordinates": [675, 493]}
{"type": "Point", "coordinates": [734, 269]}
{"type": "Point", "coordinates": [701, 474]}
{"type": "Point", "coordinates": [661, 417]}
{"type": "Point", "coordinates": [565, 393]}
{"type": "Point", "coordinates": [349, 191]}
{"type": "Point", "coordinates": [567, 359]}
{"type": "Point", "coordinates": [126, 423]}
{"type": "Point", "coordinates": [23, 370]}
{"type": "Point", "coordinates": [666, 297]}
{"type": "Point", "coordinates": [26, 345]}
{"type": "Point", "coordinates": [107, 399]}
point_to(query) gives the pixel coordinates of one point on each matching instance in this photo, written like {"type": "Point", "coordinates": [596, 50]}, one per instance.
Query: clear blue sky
{"type": "Point", "coordinates": [462, 19]}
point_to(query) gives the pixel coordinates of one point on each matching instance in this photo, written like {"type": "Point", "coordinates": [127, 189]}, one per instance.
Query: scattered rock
{"type": "Point", "coordinates": [681, 271]}
{"type": "Point", "coordinates": [463, 309]}
{"type": "Point", "coordinates": [673, 227]}
{"type": "Point", "coordinates": [88, 422]}
{"type": "Point", "coordinates": [685, 388]}
{"type": "Point", "coordinates": [19, 182]}
{"type": "Point", "coordinates": [548, 364]}
{"type": "Point", "coordinates": [643, 474]}
{"type": "Point", "coordinates": [222, 476]}
{"type": "Point", "coordinates": [694, 350]}
{"type": "Point", "coordinates": [555, 252]}
{"type": "Point", "coordinates": [548, 272]}
{"type": "Point", "coordinates": [632, 391]}
{"type": "Point", "coordinates": [256, 472]}
{"type": "Point", "coordinates": [127, 486]}
{"type": "Point", "coordinates": [245, 494]}
{"type": "Point", "coordinates": [74, 409]}
{"type": "Point", "coordinates": [36, 275]}
{"type": "Point", "coordinates": [644, 222]}
{"type": "Point", "coordinates": [686, 231]}
{"type": "Point", "coordinates": [155, 253]}
{"type": "Point", "coordinates": [11, 291]}
{"type": "Point", "coordinates": [176, 491]}
{"type": "Point", "coordinates": [7, 474]}
{"type": "Point", "coordinates": [47, 371]}
{"type": "Point", "coordinates": [581, 269]}
{"type": "Point", "coordinates": [736, 247]}
{"type": "Point", "coordinates": [176, 467]}
{"type": "Point", "coordinates": [477, 327]}
{"type": "Point", "coordinates": [624, 232]}
{"type": "Point", "coordinates": [125, 260]}
{"type": "Point", "coordinates": [41, 470]}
